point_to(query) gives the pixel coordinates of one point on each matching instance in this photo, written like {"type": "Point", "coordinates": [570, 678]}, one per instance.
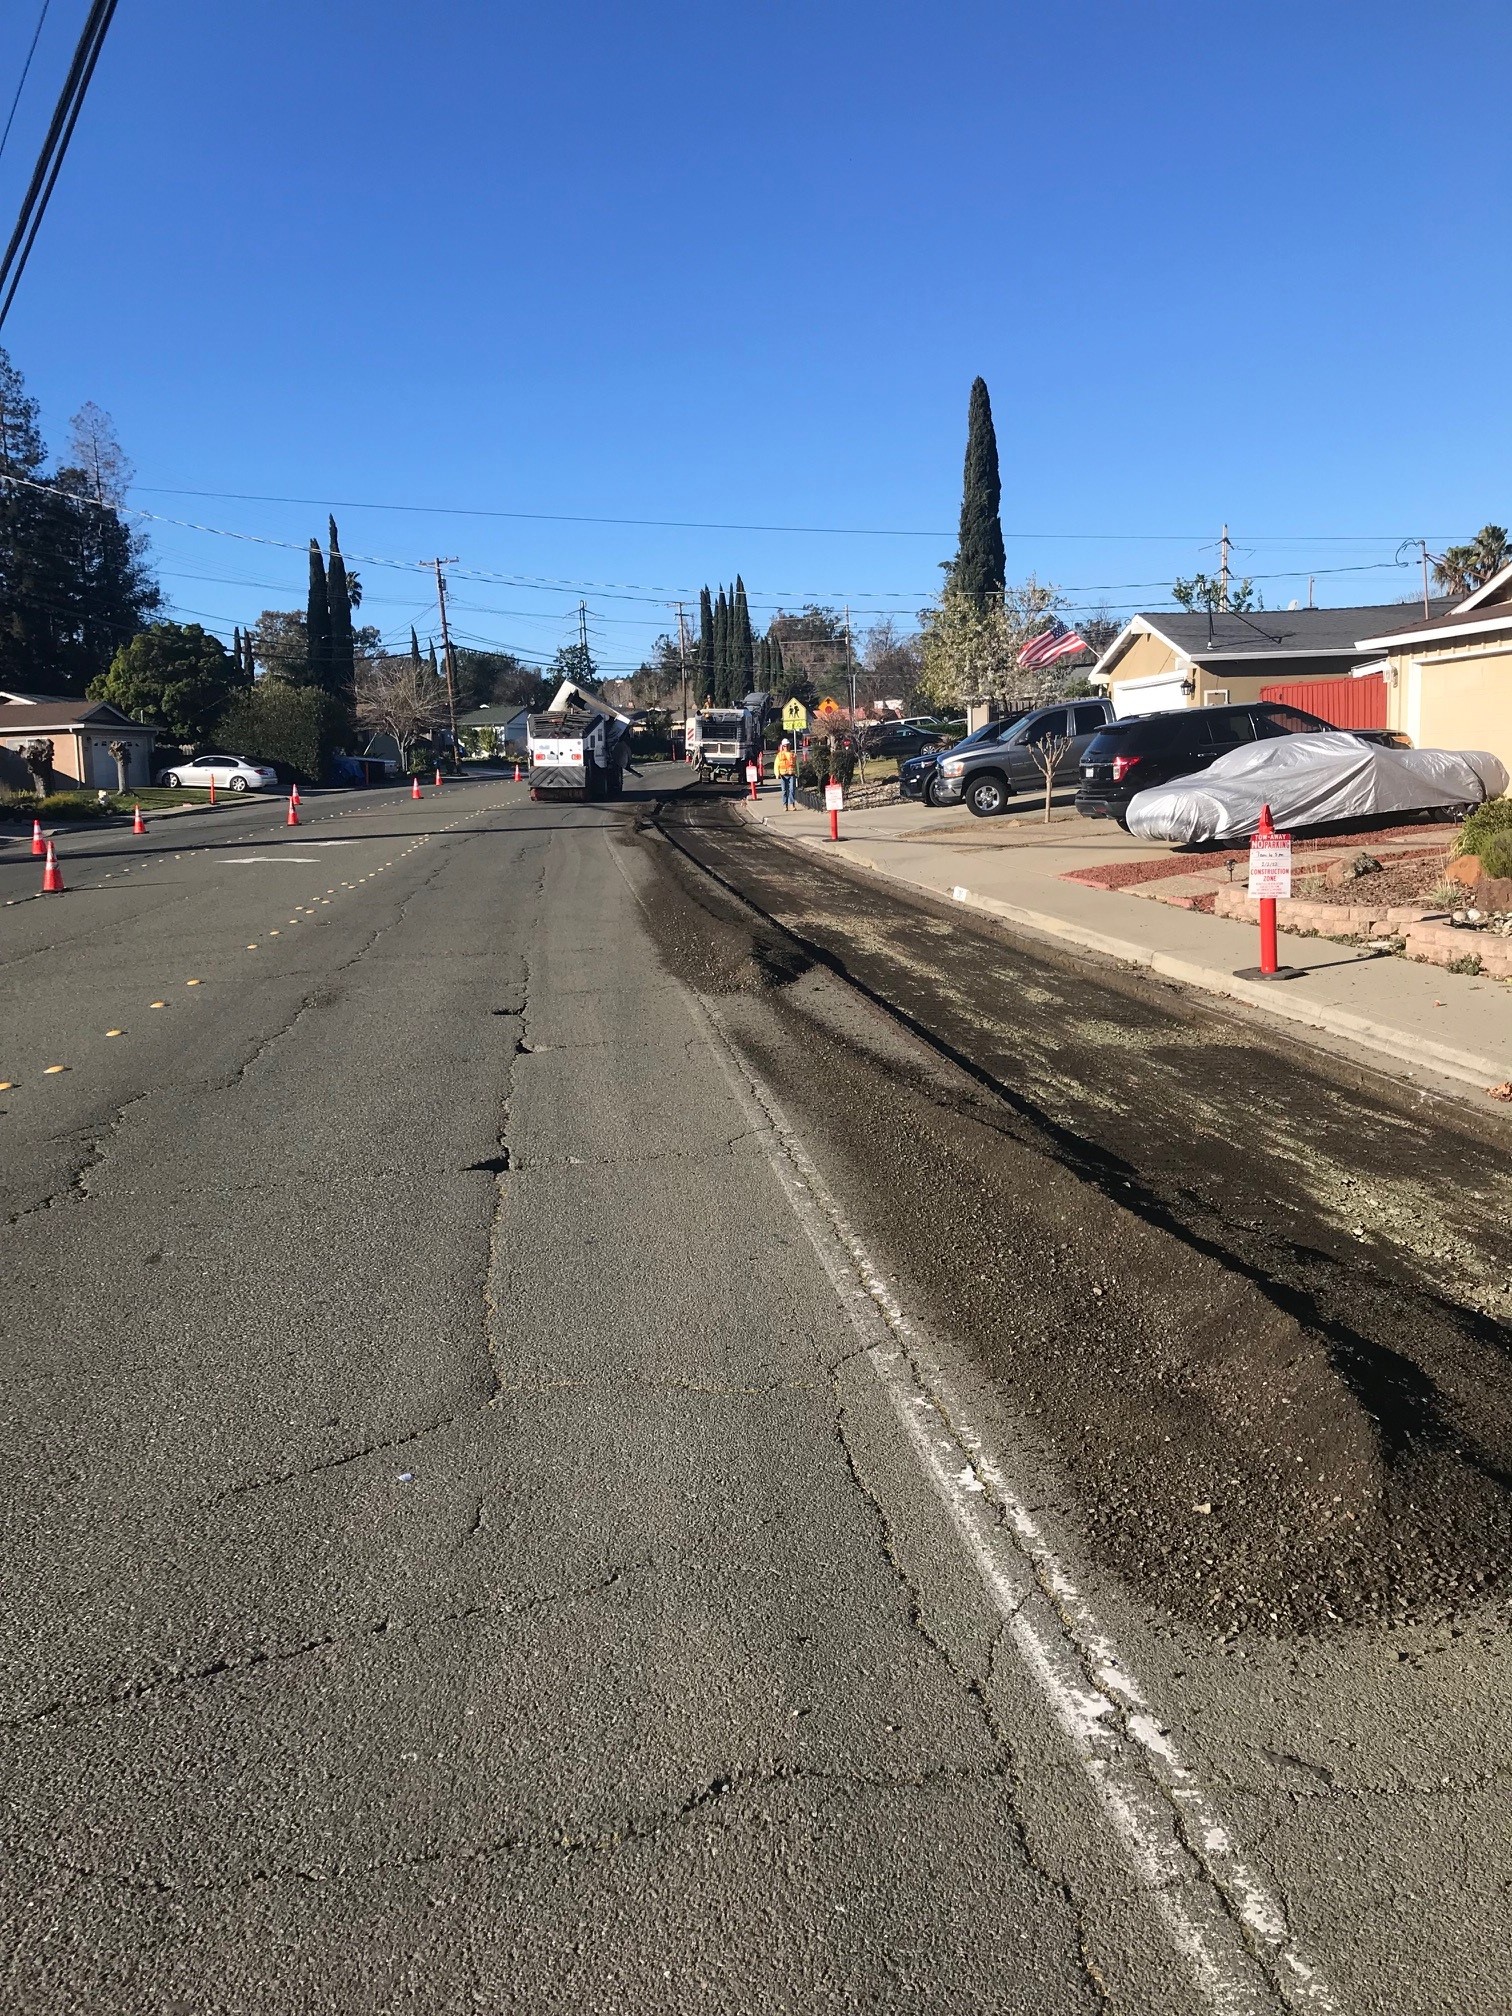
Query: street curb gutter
{"type": "Point", "coordinates": [1460, 1066]}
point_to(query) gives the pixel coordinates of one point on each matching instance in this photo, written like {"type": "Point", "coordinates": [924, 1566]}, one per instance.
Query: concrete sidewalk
{"type": "Point", "coordinates": [1419, 1021]}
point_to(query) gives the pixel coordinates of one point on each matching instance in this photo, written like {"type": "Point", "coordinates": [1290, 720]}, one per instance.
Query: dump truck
{"type": "Point", "coordinates": [722, 740]}
{"type": "Point", "coordinates": [578, 746]}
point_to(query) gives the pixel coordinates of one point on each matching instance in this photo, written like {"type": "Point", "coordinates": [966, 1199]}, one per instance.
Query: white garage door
{"type": "Point", "coordinates": [1150, 696]}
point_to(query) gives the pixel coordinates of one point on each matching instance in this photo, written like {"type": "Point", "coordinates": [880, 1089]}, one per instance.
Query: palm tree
{"type": "Point", "coordinates": [1463, 569]}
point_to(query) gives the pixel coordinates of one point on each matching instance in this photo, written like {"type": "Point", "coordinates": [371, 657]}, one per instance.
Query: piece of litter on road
{"type": "Point", "coordinates": [191, 983]}
{"type": "Point", "coordinates": [7, 1084]}
{"type": "Point", "coordinates": [1202, 1508]}
{"type": "Point", "coordinates": [406, 1476]}
{"type": "Point", "coordinates": [52, 1070]}
{"type": "Point", "coordinates": [959, 893]}
{"type": "Point", "coordinates": [1502, 1091]}
{"type": "Point", "coordinates": [115, 1032]}
{"type": "Point", "coordinates": [160, 1004]}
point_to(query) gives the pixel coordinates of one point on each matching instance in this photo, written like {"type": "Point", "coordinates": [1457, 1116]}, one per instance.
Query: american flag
{"type": "Point", "coordinates": [1048, 645]}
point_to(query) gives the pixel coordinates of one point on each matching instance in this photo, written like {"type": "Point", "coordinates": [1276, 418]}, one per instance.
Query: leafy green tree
{"type": "Point", "coordinates": [74, 580]}
{"type": "Point", "coordinates": [1463, 569]}
{"type": "Point", "coordinates": [274, 722]}
{"type": "Point", "coordinates": [342, 659]}
{"type": "Point", "coordinates": [281, 645]}
{"type": "Point", "coordinates": [1206, 591]}
{"type": "Point", "coordinates": [969, 649]}
{"type": "Point", "coordinates": [575, 662]}
{"type": "Point", "coordinates": [979, 569]}
{"type": "Point", "coordinates": [174, 675]}
{"type": "Point", "coordinates": [318, 622]}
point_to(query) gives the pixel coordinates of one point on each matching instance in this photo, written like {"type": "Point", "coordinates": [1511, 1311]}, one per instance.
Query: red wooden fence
{"type": "Point", "coordinates": [1344, 703]}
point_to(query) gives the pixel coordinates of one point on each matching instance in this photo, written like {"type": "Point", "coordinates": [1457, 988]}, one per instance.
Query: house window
{"type": "Point", "coordinates": [1216, 696]}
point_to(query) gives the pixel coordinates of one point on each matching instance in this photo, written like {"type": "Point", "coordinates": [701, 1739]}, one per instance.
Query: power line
{"type": "Point", "coordinates": [817, 531]}
{"type": "Point", "coordinates": [25, 68]}
{"type": "Point", "coordinates": [54, 148]}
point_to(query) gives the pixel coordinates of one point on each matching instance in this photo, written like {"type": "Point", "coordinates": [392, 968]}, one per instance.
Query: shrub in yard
{"type": "Point", "coordinates": [26, 806]}
{"type": "Point", "coordinates": [1483, 824]}
{"type": "Point", "coordinates": [294, 725]}
{"type": "Point", "coordinates": [1496, 854]}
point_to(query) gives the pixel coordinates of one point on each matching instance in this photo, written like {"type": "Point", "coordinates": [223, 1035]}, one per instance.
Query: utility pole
{"type": "Point", "coordinates": [850, 672]}
{"type": "Point", "coordinates": [1223, 570]}
{"type": "Point", "coordinates": [1423, 544]}
{"type": "Point", "coordinates": [446, 651]}
{"type": "Point", "coordinates": [583, 637]}
{"type": "Point", "coordinates": [682, 658]}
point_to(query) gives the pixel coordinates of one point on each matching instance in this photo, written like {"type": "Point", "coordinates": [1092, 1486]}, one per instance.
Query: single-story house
{"type": "Point", "coordinates": [491, 731]}
{"type": "Point", "coordinates": [81, 732]}
{"type": "Point", "coordinates": [1169, 658]}
{"type": "Point", "coordinates": [1449, 679]}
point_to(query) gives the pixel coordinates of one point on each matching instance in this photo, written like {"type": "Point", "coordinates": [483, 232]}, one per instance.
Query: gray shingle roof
{"type": "Point", "coordinates": [1313, 631]}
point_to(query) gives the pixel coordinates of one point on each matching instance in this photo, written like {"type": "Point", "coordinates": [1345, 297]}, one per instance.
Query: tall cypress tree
{"type": "Point", "coordinates": [705, 648]}
{"type": "Point", "coordinates": [338, 600]}
{"type": "Point", "coordinates": [745, 644]}
{"type": "Point", "coordinates": [318, 622]}
{"type": "Point", "coordinates": [414, 648]}
{"type": "Point", "coordinates": [979, 568]}
{"type": "Point", "coordinates": [435, 668]}
{"type": "Point", "coordinates": [721, 649]}
{"type": "Point", "coordinates": [774, 640]}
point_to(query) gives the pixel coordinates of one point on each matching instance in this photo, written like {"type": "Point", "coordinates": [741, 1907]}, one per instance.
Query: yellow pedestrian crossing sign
{"type": "Point", "coordinates": [795, 716]}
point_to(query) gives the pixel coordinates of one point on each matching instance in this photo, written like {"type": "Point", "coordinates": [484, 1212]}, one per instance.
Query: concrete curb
{"type": "Point", "coordinates": [1460, 1066]}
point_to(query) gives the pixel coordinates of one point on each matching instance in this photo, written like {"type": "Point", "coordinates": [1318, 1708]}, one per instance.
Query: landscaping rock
{"type": "Point", "coordinates": [1337, 873]}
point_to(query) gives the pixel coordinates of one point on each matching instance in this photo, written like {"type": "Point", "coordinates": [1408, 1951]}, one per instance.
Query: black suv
{"type": "Point", "coordinates": [1149, 749]}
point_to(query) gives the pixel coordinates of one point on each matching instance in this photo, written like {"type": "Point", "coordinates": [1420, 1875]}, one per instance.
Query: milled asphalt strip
{"type": "Point", "coordinates": [1220, 1917]}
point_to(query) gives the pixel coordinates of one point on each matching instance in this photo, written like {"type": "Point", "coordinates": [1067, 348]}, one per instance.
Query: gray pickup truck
{"type": "Point", "coordinates": [988, 775]}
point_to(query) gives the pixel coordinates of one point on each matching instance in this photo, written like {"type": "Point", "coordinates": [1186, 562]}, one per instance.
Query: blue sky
{"type": "Point", "coordinates": [739, 265]}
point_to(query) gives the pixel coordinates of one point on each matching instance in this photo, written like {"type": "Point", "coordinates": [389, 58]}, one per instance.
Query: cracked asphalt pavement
{"type": "Point", "coordinates": [597, 1423]}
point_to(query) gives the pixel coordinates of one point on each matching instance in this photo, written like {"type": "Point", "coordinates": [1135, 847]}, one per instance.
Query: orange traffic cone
{"type": "Point", "coordinates": [52, 874]}
{"type": "Point", "coordinates": [438, 776]}
{"type": "Point", "coordinates": [293, 818]}
{"type": "Point", "coordinates": [294, 793]}
{"type": "Point", "coordinates": [415, 788]}
{"type": "Point", "coordinates": [517, 773]}
{"type": "Point", "coordinates": [138, 823]}
{"type": "Point", "coordinates": [39, 844]}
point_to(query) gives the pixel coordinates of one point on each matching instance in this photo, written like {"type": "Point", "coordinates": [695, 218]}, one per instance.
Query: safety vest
{"type": "Point", "coordinates": [786, 763]}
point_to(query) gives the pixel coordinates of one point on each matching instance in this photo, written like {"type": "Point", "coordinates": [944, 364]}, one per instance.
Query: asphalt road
{"type": "Point", "coordinates": [599, 1420]}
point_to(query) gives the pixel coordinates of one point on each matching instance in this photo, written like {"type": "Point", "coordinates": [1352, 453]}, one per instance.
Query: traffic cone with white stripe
{"type": "Point", "coordinates": [517, 773]}
{"type": "Point", "coordinates": [415, 787]}
{"type": "Point", "coordinates": [438, 776]}
{"type": "Point", "coordinates": [294, 793]}
{"type": "Point", "coordinates": [138, 823]}
{"type": "Point", "coordinates": [293, 818]}
{"type": "Point", "coordinates": [52, 874]}
{"type": "Point", "coordinates": [39, 842]}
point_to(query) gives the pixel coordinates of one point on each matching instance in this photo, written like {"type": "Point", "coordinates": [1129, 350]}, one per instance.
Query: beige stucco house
{"type": "Point", "coordinates": [1164, 659]}
{"type": "Point", "coordinates": [81, 732]}
{"type": "Point", "coordinates": [1449, 680]}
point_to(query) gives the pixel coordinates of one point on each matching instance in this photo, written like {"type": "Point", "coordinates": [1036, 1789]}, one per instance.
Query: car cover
{"type": "Point", "coordinates": [1312, 780]}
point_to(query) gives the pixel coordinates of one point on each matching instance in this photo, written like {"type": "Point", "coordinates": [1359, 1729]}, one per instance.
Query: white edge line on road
{"type": "Point", "coordinates": [1219, 1915]}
